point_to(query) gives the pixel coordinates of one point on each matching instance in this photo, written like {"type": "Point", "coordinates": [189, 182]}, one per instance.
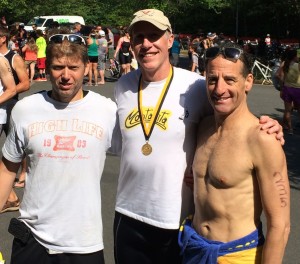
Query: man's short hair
{"type": "Point", "coordinates": [245, 57]}
{"type": "Point", "coordinates": [4, 32]}
{"type": "Point", "coordinates": [66, 49]}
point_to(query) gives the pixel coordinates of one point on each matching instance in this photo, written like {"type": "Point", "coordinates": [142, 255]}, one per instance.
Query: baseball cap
{"type": "Point", "coordinates": [101, 33]}
{"type": "Point", "coordinates": [153, 16]}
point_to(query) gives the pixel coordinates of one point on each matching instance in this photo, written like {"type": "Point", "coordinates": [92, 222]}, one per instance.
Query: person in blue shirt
{"type": "Point", "coordinates": [175, 51]}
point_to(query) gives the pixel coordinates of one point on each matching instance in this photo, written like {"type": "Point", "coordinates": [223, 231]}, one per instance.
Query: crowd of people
{"type": "Point", "coordinates": [31, 46]}
{"type": "Point", "coordinates": [172, 128]}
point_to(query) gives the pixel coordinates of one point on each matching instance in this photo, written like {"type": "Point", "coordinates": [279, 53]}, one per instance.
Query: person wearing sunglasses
{"type": "Point", "coordinates": [232, 191]}
{"type": "Point", "coordinates": [159, 107]}
{"type": "Point", "coordinates": [64, 134]}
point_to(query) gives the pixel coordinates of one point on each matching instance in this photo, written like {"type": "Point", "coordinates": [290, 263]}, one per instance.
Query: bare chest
{"type": "Point", "coordinates": [224, 161]}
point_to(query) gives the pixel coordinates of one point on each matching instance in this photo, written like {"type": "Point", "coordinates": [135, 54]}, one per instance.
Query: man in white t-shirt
{"type": "Point", "coordinates": [159, 107]}
{"type": "Point", "coordinates": [64, 134]}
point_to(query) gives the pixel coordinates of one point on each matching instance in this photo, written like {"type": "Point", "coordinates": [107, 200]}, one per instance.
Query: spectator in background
{"type": "Point", "coordinates": [30, 56]}
{"type": "Point", "coordinates": [289, 75]}
{"type": "Point", "coordinates": [125, 52]}
{"type": "Point", "coordinates": [175, 51]}
{"type": "Point", "coordinates": [98, 28]}
{"type": "Point", "coordinates": [209, 41]}
{"type": "Point", "coordinates": [195, 58]}
{"type": "Point", "coordinates": [13, 42]}
{"type": "Point", "coordinates": [110, 43]}
{"type": "Point", "coordinates": [102, 52]}
{"type": "Point", "coordinates": [33, 32]}
{"type": "Point", "coordinates": [41, 56]}
{"type": "Point", "coordinates": [21, 37]}
{"type": "Point", "coordinates": [268, 40]}
{"type": "Point", "coordinates": [198, 41]}
{"type": "Point", "coordinates": [92, 46]}
{"type": "Point", "coordinates": [77, 28]}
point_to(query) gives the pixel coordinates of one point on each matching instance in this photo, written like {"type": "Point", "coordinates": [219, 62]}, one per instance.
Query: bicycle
{"type": "Point", "coordinates": [261, 70]}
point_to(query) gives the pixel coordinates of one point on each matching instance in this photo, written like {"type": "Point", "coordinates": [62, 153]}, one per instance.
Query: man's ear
{"type": "Point", "coordinates": [171, 40]}
{"type": "Point", "coordinates": [249, 82]}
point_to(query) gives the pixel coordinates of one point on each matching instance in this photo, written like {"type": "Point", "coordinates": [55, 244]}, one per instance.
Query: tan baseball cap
{"type": "Point", "coordinates": [153, 16]}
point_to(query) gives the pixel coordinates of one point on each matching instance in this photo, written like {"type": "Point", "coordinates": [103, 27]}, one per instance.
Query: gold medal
{"type": "Point", "coordinates": [146, 149]}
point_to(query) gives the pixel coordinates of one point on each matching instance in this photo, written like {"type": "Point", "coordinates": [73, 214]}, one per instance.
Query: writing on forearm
{"type": "Point", "coordinates": [279, 183]}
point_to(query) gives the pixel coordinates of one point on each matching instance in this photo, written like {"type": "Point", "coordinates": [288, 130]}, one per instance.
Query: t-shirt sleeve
{"type": "Point", "coordinates": [14, 146]}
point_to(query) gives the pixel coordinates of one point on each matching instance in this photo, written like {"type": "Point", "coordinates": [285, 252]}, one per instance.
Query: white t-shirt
{"type": "Point", "coordinates": [151, 187]}
{"type": "Point", "coordinates": [65, 145]}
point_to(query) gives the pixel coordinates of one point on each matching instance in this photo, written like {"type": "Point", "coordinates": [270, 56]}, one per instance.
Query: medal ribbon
{"type": "Point", "coordinates": [148, 129]}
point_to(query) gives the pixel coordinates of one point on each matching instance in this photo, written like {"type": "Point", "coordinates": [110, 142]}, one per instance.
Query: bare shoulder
{"type": "Point", "coordinates": [18, 59]}
{"type": "Point", "coordinates": [262, 145]}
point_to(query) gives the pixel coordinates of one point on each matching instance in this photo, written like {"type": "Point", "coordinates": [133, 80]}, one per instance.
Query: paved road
{"type": "Point", "coordinates": [262, 100]}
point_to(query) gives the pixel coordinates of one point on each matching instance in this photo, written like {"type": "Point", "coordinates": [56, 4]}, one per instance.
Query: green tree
{"type": "Point", "coordinates": [255, 17]}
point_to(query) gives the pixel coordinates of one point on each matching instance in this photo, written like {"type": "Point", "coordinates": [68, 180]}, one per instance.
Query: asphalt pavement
{"type": "Point", "coordinates": [262, 100]}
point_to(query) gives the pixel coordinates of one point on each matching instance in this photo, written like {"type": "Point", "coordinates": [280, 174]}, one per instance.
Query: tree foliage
{"type": "Point", "coordinates": [245, 17]}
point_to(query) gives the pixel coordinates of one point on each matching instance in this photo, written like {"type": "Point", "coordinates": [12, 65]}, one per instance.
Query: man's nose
{"type": "Point", "coordinates": [220, 87]}
{"type": "Point", "coordinates": [66, 73]}
{"type": "Point", "coordinates": [146, 42]}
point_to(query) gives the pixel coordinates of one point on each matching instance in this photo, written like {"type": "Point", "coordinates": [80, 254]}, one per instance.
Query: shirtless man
{"type": "Point", "coordinates": [239, 171]}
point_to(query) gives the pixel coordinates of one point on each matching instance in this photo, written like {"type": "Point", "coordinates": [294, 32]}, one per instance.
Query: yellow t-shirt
{"type": "Point", "coordinates": [42, 45]}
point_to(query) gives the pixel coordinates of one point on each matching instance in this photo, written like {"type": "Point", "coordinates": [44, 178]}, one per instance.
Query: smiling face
{"type": "Point", "coordinates": [66, 75]}
{"type": "Point", "coordinates": [226, 85]}
{"type": "Point", "coordinates": [151, 47]}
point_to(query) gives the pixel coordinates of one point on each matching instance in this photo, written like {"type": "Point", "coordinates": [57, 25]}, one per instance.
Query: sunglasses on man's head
{"type": "Point", "coordinates": [72, 38]}
{"type": "Point", "coordinates": [229, 53]}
